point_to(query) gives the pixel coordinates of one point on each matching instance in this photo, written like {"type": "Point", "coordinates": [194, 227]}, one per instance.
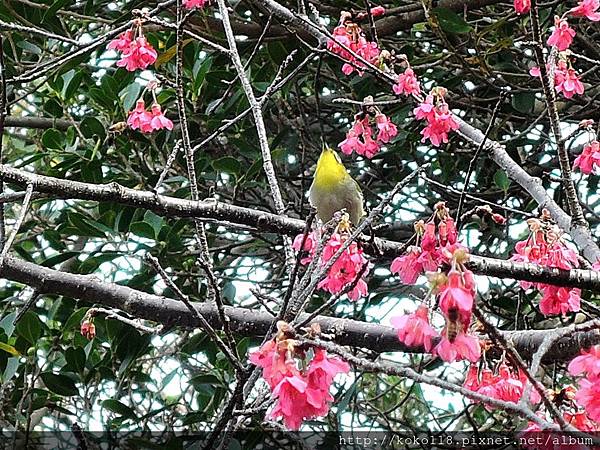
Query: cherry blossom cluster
{"type": "Point", "coordinates": [588, 394]}
{"type": "Point", "coordinates": [360, 137]}
{"type": "Point", "coordinates": [504, 383]}
{"type": "Point", "coordinates": [545, 247]}
{"type": "Point", "coordinates": [440, 120]}
{"type": "Point", "coordinates": [345, 270]}
{"type": "Point", "coordinates": [349, 35]}
{"type": "Point", "coordinates": [190, 4]}
{"type": "Point", "coordinates": [148, 121]}
{"type": "Point", "coordinates": [522, 6]}
{"type": "Point", "coordinates": [566, 79]}
{"type": "Point", "coordinates": [299, 377]}
{"type": "Point", "coordinates": [589, 159]}
{"type": "Point", "coordinates": [136, 51]}
{"type": "Point", "coordinates": [565, 401]}
{"type": "Point", "coordinates": [407, 83]}
{"type": "Point", "coordinates": [437, 248]}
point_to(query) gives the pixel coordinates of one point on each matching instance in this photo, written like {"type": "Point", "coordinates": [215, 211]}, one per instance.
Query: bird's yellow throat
{"type": "Point", "coordinates": [330, 171]}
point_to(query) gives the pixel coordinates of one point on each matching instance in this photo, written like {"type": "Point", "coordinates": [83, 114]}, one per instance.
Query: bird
{"type": "Point", "coordinates": [333, 189]}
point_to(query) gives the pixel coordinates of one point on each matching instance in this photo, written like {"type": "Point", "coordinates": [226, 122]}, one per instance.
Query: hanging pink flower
{"type": "Point", "coordinates": [589, 159]}
{"type": "Point", "coordinates": [587, 363]}
{"type": "Point", "coordinates": [587, 8]}
{"type": "Point", "coordinates": [387, 129]}
{"type": "Point", "coordinates": [140, 118]}
{"type": "Point", "coordinates": [159, 121]}
{"type": "Point", "coordinates": [377, 11]}
{"type": "Point", "coordinates": [522, 6]}
{"type": "Point", "coordinates": [414, 329]}
{"type": "Point", "coordinates": [408, 266]}
{"type": "Point", "coordinates": [440, 120]}
{"type": "Point", "coordinates": [464, 346]}
{"type": "Point", "coordinates": [562, 36]}
{"type": "Point", "coordinates": [455, 296]}
{"type": "Point", "coordinates": [350, 35]}
{"type": "Point", "coordinates": [299, 393]}
{"type": "Point", "coordinates": [323, 369]}
{"type": "Point", "coordinates": [189, 4]}
{"type": "Point", "coordinates": [345, 269]}
{"type": "Point", "coordinates": [407, 83]}
{"type": "Point", "coordinates": [139, 55]}
{"type": "Point", "coordinates": [507, 384]}
{"type": "Point", "coordinates": [122, 42]}
{"type": "Point", "coordinates": [567, 81]}
{"type": "Point", "coordinates": [588, 396]}
{"type": "Point", "coordinates": [559, 300]}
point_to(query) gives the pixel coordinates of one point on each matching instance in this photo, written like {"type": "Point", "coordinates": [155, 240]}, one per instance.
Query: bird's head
{"type": "Point", "coordinates": [330, 169]}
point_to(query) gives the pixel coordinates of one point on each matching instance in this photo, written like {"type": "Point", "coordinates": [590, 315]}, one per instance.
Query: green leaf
{"type": "Point", "coordinates": [130, 95]}
{"type": "Point", "coordinates": [75, 357]}
{"type": "Point", "coordinates": [9, 349]}
{"type": "Point", "coordinates": [524, 102]}
{"type": "Point", "coordinates": [53, 139]}
{"type": "Point", "coordinates": [227, 164]}
{"type": "Point", "coordinates": [90, 127]}
{"type": "Point", "coordinates": [119, 408]}
{"type": "Point", "coordinates": [142, 229]}
{"type": "Point", "coordinates": [51, 12]}
{"type": "Point", "coordinates": [155, 221]}
{"type": "Point", "coordinates": [169, 53]}
{"type": "Point", "coordinates": [29, 327]}
{"type": "Point", "coordinates": [12, 365]}
{"type": "Point", "coordinates": [59, 384]}
{"type": "Point", "coordinates": [502, 180]}
{"type": "Point", "coordinates": [201, 68]}
{"type": "Point", "coordinates": [450, 21]}
{"type": "Point", "coordinates": [7, 323]}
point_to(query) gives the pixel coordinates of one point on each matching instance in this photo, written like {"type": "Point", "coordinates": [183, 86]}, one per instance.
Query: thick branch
{"type": "Point", "coordinates": [244, 218]}
{"type": "Point", "coordinates": [36, 122]}
{"type": "Point", "coordinates": [246, 322]}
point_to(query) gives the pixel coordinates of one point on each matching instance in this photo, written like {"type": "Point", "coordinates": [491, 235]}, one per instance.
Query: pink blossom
{"type": "Point", "coordinates": [345, 269]}
{"type": "Point", "coordinates": [159, 121]}
{"type": "Point", "coordinates": [562, 36]}
{"type": "Point", "coordinates": [350, 36]}
{"type": "Point", "coordinates": [440, 121]}
{"type": "Point", "coordinates": [274, 362]}
{"type": "Point", "coordinates": [353, 142]}
{"type": "Point", "coordinates": [464, 346]}
{"type": "Point", "coordinates": [587, 8]}
{"type": "Point", "coordinates": [139, 55]}
{"type": "Point", "coordinates": [588, 396]}
{"type": "Point", "coordinates": [522, 6]}
{"type": "Point", "coordinates": [377, 11]}
{"type": "Point", "coordinates": [407, 83]}
{"type": "Point", "coordinates": [371, 147]}
{"type": "Point", "coordinates": [387, 129]}
{"type": "Point", "coordinates": [310, 245]}
{"type": "Point", "coordinates": [122, 42]}
{"type": "Point", "coordinates": [414, 329]}
{"type": "Point", "coordinates": [535, 72]}
{"type": "Point", "coordinates": [581, 421]}
{"type": "Point", "coordinates": [323, 369]}
{"type": "Point", "coordinates": [559, 300]}
{"type": "Point", "coordinates": [408, 266]}
{"type": "Point", "coordinates": [588, 362]}
{"type": "Point", "coordinates": [455, 297]}
{"type": "Point", "coordinates": [292, 402]}
{"type": "Point", "coordinates": [589, 159]}
{"type": "Point", "coordinates": [189, 4]}
{"type": "Point", "coordinates": [140, 118]}
{"type": "Point", "coordinates": [567, 81]}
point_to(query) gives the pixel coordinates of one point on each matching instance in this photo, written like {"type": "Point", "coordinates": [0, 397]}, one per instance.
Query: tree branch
{"type": "Point", "coordinates": [244, 218]}
{"type": "Point", "coordinates": [247, 322]}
